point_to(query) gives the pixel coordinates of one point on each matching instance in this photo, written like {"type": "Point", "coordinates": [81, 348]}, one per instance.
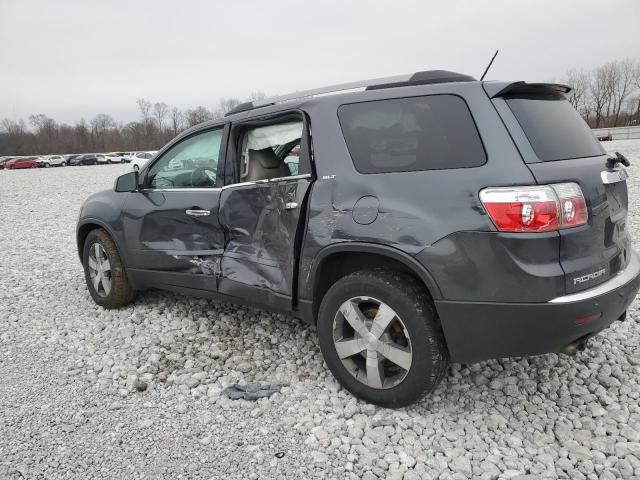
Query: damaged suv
{"type": "Point", "coordinates": [414, 220]}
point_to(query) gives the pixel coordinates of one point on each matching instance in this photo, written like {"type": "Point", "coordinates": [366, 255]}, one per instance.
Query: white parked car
{"type": "Point", "coordinates": [140, 159]}
{"type": "Point", "coordinates": [101, 159]}
{"type": "Point", "coordinates": [115, 157]}
{"type": "Point", "coordinates": [57, 161]}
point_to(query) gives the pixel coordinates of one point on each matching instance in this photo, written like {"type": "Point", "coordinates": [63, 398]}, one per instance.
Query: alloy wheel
{"type": "Point", "coordinates": [99, 270]}
{"type": "Point", "coordinates": [372, 342]}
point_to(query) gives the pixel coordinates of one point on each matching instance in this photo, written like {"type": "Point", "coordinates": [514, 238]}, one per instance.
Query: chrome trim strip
{"type": "Point", "coordinates": [278, 179]}
{"type": "Point", "coordinates": [631, 271]}
{"type": "Point", "coordinates": [614, 176]}
{"type": "Point", "coordinates": [201, 189]}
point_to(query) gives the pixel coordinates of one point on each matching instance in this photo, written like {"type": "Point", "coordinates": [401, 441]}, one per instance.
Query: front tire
{"type": "Point", "coordinates": [104, 271]}
{"type": "Point", "coordinates": [380, 337]}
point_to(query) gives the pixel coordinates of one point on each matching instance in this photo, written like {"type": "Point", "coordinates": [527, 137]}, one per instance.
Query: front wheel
{"type": "Point", "coordinates": [104, 272]}
{"type": "Point", "coordinates": [380, 337]}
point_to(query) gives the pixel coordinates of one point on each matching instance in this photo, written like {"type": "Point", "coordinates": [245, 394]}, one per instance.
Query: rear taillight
{"type": "Point", "coordinates": [540, 208]}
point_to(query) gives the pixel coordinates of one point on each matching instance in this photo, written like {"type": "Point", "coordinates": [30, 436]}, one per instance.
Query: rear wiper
{"type": "Point", "coordinates": [619, 158]}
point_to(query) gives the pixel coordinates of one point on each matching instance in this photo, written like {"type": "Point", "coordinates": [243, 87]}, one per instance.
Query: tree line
{"type": "Point", "coordinates": [607, 96]}
{"type": "Point", "coordinates": [158, 124]}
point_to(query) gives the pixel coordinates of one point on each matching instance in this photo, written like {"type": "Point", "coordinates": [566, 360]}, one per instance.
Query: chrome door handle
{"type": "Point", "coordinates": [198, 213]}
{"type": "Point", "coordinates": [291, 205]}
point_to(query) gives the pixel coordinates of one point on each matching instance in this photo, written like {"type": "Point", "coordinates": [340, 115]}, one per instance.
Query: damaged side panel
{"type": "Point", "coordinates": [178, 248]}
{"type": "Point", "coordinates": [261, 222]}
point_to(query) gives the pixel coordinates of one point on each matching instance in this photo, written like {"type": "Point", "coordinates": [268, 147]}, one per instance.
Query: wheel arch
{"type": "Point", "coordinates": [335, 261]}
{"type": "Point", "coordinates": [85, 227]}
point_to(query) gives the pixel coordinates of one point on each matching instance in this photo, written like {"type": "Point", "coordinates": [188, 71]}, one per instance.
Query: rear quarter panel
{"type": "Point", "coordinates": [418, 211]}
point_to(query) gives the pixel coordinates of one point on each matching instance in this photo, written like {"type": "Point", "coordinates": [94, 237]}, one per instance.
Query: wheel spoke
{"type": "Point", "coordinates": [348, 348]}
{"type": "Point", "coordinates": [396, 354]}
{"type": "Point", "coordinates": [354, 316]}
{"type": "Point", "coordinates": [96, 282]}
{"type": "Point", "coordinates": [106, 284]}
{"type": "Point", "coordinates": [106, 266]}
{"type": "Point", "coordinates": [96, 252]}
{"type": "Point", "coordinates": [375, 373]}
{"type": "Point", "coordinates": [92, 263]}
{"type": "Point", "coordinates": [382, 320]}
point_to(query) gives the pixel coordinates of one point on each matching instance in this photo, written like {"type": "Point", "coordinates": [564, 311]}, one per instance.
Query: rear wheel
{"type": "Point", "coordinates": [380, 337]}
{"type": "Point", "coordinates": [104, 272]}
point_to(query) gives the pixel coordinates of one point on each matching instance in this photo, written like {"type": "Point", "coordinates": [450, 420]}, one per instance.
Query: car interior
{"type": "Point", "coordinates": [270, 151]}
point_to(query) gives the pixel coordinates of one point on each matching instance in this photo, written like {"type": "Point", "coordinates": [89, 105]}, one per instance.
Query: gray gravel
{"type": "Point", "coordinates": [136, 393]}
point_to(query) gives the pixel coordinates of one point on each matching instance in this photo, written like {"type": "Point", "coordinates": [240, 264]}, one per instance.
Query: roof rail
{"type": "Point", "coordinates": [418, 78]}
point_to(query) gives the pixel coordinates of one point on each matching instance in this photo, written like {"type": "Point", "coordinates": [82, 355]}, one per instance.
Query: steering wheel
{"type": "Point", "coordinates": [203, 177]}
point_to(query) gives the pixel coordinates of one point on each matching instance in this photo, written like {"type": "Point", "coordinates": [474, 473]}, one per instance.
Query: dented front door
{"type": "Point", "coordinates": [175, 235]}
{"type": "Point", "coordinates": [261, 221]}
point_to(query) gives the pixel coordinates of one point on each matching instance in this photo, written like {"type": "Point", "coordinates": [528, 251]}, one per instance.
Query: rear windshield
{"type": "Point", "coordinates": [554, 128]}
{"type": "Point", "coordinates": [409, 134]}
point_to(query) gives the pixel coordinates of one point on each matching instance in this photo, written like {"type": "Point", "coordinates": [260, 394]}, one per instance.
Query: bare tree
{"type": "Point", "coordinates": [145, 108]}
{"type": "Point", "coordinates": [224, 105]}
{"type": "Point", "coordinates": [197, 115]}
{"type": "Point", "coordinates": [176, 120]}
{"type": "Point", "coordinates": [579, 81]}
{"type": "Point", "coordinates": [621, 85]}
{"type": "Point", "coordinates": [160, 111]}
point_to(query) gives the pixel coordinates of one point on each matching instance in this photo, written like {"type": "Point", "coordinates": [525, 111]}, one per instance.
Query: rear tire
{"type": "Point", "coordinates": [101, 259]}
{"type": "Point", "coordinates": [413, 331]}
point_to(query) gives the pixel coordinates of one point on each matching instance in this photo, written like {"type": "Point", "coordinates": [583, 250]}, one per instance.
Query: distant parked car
{"type": "Point", "coordinates": [140, 159]}
{"type": "Point", "coordinates": [605, 137]}
{"type": "Point", "coordinates": [86, 159]}
{"type": "Point", "coordinates": [43, 161]}
{"type": "Point", "coordinates": [57, 161]}
{"type": "Point", "coordinates": [21, 162]}
{"type": "Point", "coordinates": [68, 158]}
{"type": "Point", "coordinates": [102, 159]}
{"type": "Point", "coordinates": [4, 160]}
{"type": "Point", "coordinates": [115, 157]}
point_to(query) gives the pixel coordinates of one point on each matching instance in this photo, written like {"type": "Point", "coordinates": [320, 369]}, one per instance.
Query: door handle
{"type": "Point", "coordinates": [291, 205]}
{"type": "Point", "coordinates": [198, 213]}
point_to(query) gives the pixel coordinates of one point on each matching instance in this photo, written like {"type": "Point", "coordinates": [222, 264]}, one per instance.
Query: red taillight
{"type": "Point", "coordinates": [542, 208]}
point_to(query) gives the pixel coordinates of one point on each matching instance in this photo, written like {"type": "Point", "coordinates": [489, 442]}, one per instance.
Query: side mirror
{"type": "Point", "coordinates": [127, 182]}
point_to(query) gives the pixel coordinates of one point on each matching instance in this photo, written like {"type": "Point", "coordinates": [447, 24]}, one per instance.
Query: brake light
{"type": "Point", "coordinates": [540, 208]}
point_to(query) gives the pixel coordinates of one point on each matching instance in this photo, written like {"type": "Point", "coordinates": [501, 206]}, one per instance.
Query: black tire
{"type": "Point", "coordinates": [121, 293]}
{"type": "Point", "coordinates": [414, 306]}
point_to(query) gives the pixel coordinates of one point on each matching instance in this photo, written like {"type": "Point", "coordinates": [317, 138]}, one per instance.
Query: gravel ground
{"type": "Point", "coordinates": [70, 375]}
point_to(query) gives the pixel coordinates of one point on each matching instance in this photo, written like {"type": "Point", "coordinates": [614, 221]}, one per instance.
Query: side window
{"type": "Point", "coordinates": [270, 151]}
{"type": "Point", "coordinates": [411, 134]}
{"type": "Point", "coordinates": [192, 163]}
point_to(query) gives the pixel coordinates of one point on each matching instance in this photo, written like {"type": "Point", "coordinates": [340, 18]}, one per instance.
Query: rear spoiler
{"type": "Point", "coordinates": [502, 89]}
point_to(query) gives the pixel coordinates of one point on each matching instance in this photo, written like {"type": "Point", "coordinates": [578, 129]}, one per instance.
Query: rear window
{"type": "Point", "coordinates": [409, 134]}
{"type": "Point", "coordinates": [554, 128]}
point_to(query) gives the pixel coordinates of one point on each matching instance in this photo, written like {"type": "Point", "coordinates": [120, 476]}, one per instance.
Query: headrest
{"type": "Point", "coordinates": [265, 157]}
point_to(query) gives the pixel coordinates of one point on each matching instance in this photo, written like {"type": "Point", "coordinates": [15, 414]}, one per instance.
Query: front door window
{"type": "Point", "coordinates": [192, 163]}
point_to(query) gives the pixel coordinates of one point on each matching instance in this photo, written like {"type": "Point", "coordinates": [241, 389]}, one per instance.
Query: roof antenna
{"type": "Point", "coordinates": [489, 66]}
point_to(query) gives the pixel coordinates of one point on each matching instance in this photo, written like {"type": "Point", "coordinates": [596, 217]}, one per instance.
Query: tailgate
{"type": "Point", "coordinates": [591, 254]}
{"type": "Point", "coordinates": [558, 146]}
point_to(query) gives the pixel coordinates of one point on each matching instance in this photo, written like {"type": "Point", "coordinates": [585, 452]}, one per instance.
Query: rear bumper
{"type": "Point", "coordinates": [477, 331]}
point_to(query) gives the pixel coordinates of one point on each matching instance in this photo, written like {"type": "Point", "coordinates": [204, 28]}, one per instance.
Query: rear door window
{"type": "Point", "coordinates": [554, 128]}
{"type": "Point", "coordinates": [410, 134]}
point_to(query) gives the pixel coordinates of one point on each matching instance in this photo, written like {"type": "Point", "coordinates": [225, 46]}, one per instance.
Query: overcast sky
{"type": "Point", "coordinates": [71, 59]}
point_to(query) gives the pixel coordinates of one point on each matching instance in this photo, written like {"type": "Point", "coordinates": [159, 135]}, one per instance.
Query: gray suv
{"type": "Point", "coordinates": [413, 220]}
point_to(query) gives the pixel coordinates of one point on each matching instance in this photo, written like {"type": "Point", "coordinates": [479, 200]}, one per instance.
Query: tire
{"type": "Point", "coordinates": [414, 326]}
{"type": "Point", "coordinates": [119, 292]}
{"type": "Point", "coordinates": [47, 165]}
